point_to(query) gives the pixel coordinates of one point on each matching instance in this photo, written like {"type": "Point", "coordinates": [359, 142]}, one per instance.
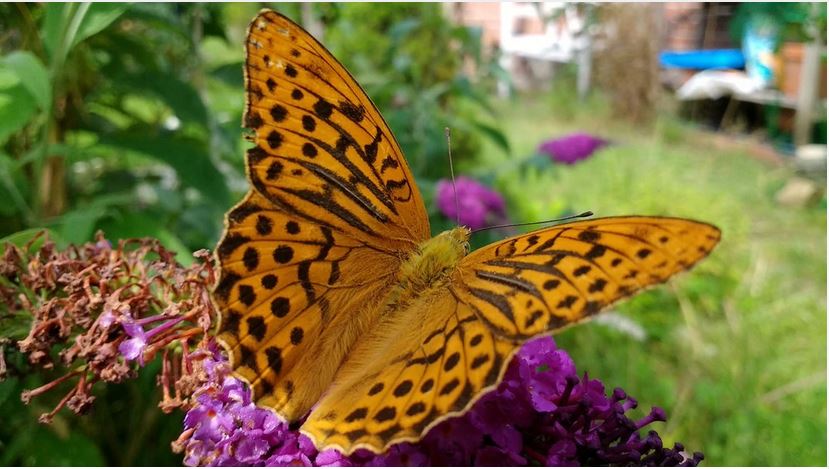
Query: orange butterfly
{"type": "Point", "coordinates": [336, 301]}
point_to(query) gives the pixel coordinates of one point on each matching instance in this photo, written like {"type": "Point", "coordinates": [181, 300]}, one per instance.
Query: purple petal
{"type": "Point", "coordinates": [133, 349]}
{"type": "Point", "coordinates": [562, 453]}
{"type": "Point", "coordinates": [133, 329]}
{"type": "Point", "coordinates": [250, 450]}
{"type": "Point", "coordinates": [333, 458]}
{"type": "Point", "coordinates": [105, 320]}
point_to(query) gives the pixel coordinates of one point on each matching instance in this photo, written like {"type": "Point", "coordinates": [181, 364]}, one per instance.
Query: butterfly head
{"type": "Point", "coordinates": [435, 257]}
{"type": "Point", "coordinates": [451, 245]}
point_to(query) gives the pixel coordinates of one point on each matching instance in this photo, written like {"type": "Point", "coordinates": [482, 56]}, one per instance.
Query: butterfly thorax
{"type": "Point", "coordinates": [430, 264]}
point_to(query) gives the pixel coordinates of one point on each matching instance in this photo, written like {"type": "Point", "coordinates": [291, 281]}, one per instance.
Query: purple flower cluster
{"type": "Point", "coordinates": [225, 428]}
{"type": "Point", "coordinates": [479, 205]}
{"type": "Point", "coordinates": [542, 413]}
{"type": "Point", "coordinates": [572, 148]}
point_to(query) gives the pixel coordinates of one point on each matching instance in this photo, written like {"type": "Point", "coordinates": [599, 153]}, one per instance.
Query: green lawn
{"type": "Point", "coordinates": [735, 351]}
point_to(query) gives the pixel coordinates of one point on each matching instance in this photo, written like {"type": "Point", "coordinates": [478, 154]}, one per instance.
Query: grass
{"type": "Point", "coordinates": [735, 351]}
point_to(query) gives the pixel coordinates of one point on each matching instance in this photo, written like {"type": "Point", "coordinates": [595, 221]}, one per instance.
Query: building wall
{"type": "Point", "coordinates": [686, 26]}
{"type": "Point", "coordinates": [482, 14]}
{"type": "Point", "coordinates": [683, 24]}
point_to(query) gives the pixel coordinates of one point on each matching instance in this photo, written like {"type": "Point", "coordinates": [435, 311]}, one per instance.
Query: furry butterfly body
{"type": "Point", "coordinates": [337, 304]}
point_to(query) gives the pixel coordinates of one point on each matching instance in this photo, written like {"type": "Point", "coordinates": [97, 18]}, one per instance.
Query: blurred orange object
{"type": "Point", "coordinates": [791, 61]}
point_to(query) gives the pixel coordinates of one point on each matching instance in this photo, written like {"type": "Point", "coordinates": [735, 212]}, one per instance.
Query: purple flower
{"type": "Point", "coordinates": [226, 428]}
{"type": "Point", "coordinates": [542, 413]}
{"type": "Point", "coordinates": [572, 148]}
{"type": "Point", "coordinates": [332, 458]}
{"type": "Point", "coordinates": [479, 205]}
{"type": "Point", "coordinates": [107, 318]}
{"type": "Point", "coordinates": [133, 348]}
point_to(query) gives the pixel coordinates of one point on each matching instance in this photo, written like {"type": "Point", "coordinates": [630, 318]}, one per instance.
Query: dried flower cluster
{"type": "Point", "coordinates": [107, 310]}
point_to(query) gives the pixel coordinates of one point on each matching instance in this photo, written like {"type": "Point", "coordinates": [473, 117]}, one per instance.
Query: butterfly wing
{"type": "Point", "coordinates": [425, 365]}
{"type": "Point", "coordinates": [540, 282]}
{"type": "Point", "coordinates": [284, 284]}
{"type": "Point", "coordinates": [332, 195]}
{"type": "Point", "coordinates": [323, 151]}
{"type": "Point", "coordinates": [447, 349]}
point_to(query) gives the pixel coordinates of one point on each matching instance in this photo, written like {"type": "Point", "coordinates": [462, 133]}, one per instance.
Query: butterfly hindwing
{"type": "Point", "coordinates": [323, 151]}
{"type": "Point", "coordinates": [548, 279]}
{"type": "Point", "coordinates": [428, 364]}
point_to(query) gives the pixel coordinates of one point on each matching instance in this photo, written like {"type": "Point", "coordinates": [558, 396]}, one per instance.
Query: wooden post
{"type": "Point", "coordinates": [807, 92]}
{"type": "Point", "coordinates": [584, 59]}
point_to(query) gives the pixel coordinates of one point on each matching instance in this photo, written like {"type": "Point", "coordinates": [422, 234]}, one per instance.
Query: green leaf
{"type": "Point", "coordinates": [462, 87]}
{"type": "Point", "coordinates": [33, 76]}
{"type": "Point", "coordinates": [230, 74]}
{"type": "Point", "coordinates": [78, 225]}
{"type": "Point", "coordinates": [189, 157]}
{"type": "Point", "coordinates": [180, 96]}
{"type": "Point", "coordinates": [75, 449]}
{"type": "Point", "coordinates": [8, 387]}
{"type": "Point", "coordinates": [66, 25]}
{"type": "Point", "coordinates": [15, 326]}
{"type": "Point", "coordinates": [401, 29]}
{"type": "Point", "coordinates": [539, 161]}
{"type": "Point", "coordinates": [97, 18]}
{"type": "Point", "coordinates": [10, 177]}
{"type": "Point", "coordinates": [494, 134]}
{"type": "Point", "coordinates": [17, 107]}
{"type": "Point", "coordinates": [53, 23]}
{"type": "Point", "coordinates": [161, 17]}
{"type": "Point", "coordinates": [140, 225]}
{"type": "Point", "coordinates": [20, 238]}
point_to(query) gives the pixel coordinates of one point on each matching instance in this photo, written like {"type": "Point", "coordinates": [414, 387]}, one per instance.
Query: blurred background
{"type": "Point", "coordinates": [127, 119]}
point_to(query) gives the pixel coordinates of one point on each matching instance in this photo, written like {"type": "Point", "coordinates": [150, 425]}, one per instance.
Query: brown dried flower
{"type": "Point", "coordinates": [100, 313]}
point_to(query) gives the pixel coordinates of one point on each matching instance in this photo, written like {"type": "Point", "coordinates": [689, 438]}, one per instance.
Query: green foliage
{"type": "Point", "coordinates": [106, 101]}
{"type": "Point", "coordinates": [125, 427]}
{"type": "Point", "coordinates": [735, 351]}
{"type": "Point", "coordinates": [797, 21]}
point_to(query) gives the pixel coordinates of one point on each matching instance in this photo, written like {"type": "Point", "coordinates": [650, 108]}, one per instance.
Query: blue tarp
{"type": "Point", "coordinates": [703, 59]}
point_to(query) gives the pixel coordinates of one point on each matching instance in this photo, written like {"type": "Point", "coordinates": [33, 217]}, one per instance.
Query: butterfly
{"type": "Point", "coordinates": [338, 306]}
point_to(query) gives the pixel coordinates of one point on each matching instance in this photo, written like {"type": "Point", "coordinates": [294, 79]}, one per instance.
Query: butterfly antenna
{"type": "Point", "coordinates": [452, 173]}
{"type": "Point", "coordinates": [554, 220]}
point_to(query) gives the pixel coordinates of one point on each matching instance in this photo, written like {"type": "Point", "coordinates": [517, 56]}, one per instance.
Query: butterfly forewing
{"type": "Point", "coordinates": [282, 281]}
{"type": "Point", "coordinates": [322, 149]}
{"type": "Point", "coordinates": [548, 279]}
